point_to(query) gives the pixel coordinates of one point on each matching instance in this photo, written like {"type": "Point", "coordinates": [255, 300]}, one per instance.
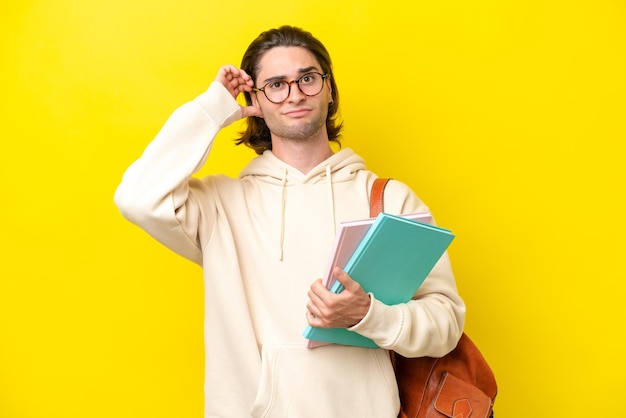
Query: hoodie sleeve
{"type": "Point", "coordinates": [155, 190]}
{"type": "Point", "coordinates": [432, 323]}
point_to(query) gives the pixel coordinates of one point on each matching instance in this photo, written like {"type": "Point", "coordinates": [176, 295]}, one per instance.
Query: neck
{"type": "Point", "coordinates": [303, 155]}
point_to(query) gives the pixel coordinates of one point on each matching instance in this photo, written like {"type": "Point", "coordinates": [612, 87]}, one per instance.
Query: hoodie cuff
{"type": "Point", "coordinates": [382, 323]}
{"type": "Point", "coordinates": [219, 104]}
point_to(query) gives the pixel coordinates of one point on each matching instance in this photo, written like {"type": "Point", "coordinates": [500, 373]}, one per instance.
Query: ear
{"type": "Point", "coordinates": [330, 90]}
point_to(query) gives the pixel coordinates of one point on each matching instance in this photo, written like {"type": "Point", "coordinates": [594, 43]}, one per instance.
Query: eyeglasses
{"type": "Point", "coordinates": [310, 84]}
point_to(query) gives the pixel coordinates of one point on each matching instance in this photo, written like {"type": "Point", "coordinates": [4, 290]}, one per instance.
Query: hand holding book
{"type": "Point", "coordinates": [393, 258]}
{"type": "Point", "coordinates": [337, 310]}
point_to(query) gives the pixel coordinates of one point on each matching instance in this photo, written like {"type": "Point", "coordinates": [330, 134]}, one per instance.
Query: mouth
{"type": "Point", "coordinates": [297, 113]}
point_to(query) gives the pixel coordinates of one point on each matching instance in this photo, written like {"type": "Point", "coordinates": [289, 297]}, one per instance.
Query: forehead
{"type": "Point", "coordinates": [286, 62]}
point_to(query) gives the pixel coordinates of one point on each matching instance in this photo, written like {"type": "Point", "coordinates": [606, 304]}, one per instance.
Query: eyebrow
{"type": "Point", "coordinates": [282, 77]}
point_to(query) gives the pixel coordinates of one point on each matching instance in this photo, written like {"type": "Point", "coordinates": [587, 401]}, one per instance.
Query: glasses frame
{"type": "Point", "coordinates": [289, 83]}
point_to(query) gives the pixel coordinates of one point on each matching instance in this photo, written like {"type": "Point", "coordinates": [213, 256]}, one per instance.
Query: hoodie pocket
{"type": "Point", "coordinates": [326, 382]}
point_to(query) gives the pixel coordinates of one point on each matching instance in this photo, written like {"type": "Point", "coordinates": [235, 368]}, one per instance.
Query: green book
{"type": "Point", "coordinates": [392, 261]}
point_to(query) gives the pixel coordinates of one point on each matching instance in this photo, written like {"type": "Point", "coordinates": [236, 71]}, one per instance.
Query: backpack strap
{"type": "Point", "coordinates": [376, 197]}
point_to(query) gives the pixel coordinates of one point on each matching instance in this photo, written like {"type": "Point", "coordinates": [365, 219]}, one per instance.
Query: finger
{"type": "Point", "coordinates": [346, 281]}
{"type": "Point", "coordinates": [234, 79]}
{"type": "Point", "coordinates": [251, 111]}
{"type": "Point", "coordinates": [315, 313]}
{"type": "Point", "coordinates": [316, 319]}
{"type": "Point", "coordinates": [225, 73]}
{"type": "Point", "coordinates": [239, 77]}
{"type": "Point", "coordinates": [312, 310]}
{"type": "Point", "coordinates": [246, 78]}
{"type": "Point", "coordinates": [312, 319]}
{"type": "Point", "coordinates": [317, 297]}
{"type": "Point", "coordinates": [341, 276]}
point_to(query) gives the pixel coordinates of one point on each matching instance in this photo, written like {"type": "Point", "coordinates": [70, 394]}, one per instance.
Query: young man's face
{"type": "Point", "coordinates": [299, 117]}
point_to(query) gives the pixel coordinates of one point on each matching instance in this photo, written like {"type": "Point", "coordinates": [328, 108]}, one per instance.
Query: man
{"type": "Point", "coordinates": [264, 238]}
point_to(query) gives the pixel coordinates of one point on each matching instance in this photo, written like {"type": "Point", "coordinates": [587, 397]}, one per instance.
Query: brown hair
{"type": "Point", "coordinates": [257, 135]}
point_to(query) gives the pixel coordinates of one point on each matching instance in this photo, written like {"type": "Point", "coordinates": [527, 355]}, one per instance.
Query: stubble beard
{"type": "Point", "coordinates": [298, 132]}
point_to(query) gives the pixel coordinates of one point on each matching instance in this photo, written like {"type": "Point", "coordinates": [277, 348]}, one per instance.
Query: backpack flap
{"type": "Point", "coordinates": [457, 398]}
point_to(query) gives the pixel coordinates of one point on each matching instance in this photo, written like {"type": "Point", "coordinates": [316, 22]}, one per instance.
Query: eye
{"type": "Point", "coordinates": [275, 85]}
{"type": "Point", "coordinates": [308, 78]}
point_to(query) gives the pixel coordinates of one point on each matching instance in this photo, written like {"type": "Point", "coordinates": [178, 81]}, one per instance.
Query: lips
{"type": "Point", "coordinates": [296, 113]}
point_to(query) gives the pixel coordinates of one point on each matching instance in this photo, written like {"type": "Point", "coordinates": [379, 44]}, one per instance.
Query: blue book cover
{"type": "Point", "coordinates": [392, 261]}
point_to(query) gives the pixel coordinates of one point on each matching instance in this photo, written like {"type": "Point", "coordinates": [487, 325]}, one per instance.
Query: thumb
{"type": "Point", "coordinates": [343, 278]}
{"type": "Point", "coordinates": [248, 111]}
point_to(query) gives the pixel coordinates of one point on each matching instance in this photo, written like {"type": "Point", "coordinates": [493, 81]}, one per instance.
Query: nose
{"type": "Point", "coordinates": [294, 89]}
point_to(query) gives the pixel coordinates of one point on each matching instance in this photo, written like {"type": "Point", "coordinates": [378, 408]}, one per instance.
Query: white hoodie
{"type": "Point", "coordinates": [262, 240]}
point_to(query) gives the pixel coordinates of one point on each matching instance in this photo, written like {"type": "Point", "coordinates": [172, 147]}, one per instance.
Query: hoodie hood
{"type": "Point", "coordinates": [341, 166]}
{"type": "Point", "coordinates": [268, 168]}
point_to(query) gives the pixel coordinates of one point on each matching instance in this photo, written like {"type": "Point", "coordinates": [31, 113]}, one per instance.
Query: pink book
{"type": "Point", "coordinates": [349, 235]}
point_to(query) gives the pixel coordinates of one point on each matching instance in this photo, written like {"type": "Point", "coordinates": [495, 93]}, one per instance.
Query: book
{"type": "Point", "coordinates": [349, 235]}
{"type": "Point", "coordinates": [391, 260]}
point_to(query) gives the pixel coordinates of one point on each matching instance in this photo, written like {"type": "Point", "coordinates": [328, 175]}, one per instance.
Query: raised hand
{"type": "Point", "coordinates": [236, 82]}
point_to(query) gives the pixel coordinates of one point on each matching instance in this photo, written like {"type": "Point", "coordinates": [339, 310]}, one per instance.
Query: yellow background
{"type": "Point", "coordinates": [506, 117]}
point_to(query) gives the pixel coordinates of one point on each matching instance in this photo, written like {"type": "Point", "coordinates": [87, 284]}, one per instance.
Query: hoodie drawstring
{"type": "Point", "coordinates": [331, 197]}
{"type": "Point", "coordinates": [282, 215]}
{"type": "Point", "coordinates": [331, 200]}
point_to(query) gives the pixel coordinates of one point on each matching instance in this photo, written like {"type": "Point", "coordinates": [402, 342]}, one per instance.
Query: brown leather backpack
{"type": "Point", "coordinates": [459, 385]}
